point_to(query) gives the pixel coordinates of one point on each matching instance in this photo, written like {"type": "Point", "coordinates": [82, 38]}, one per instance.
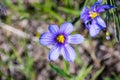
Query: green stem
{"type": "Point", "coordinates": [116, 21]}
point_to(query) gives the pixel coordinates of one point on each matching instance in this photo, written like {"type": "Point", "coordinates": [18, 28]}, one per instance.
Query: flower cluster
{"type": "Point", "coordinates": [61, 39]}
{"type": "Point", "coordinates": [93, 22]}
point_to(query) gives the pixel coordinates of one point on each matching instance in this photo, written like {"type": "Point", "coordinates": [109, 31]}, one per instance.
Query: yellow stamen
{"type": "Point", "coordinates": [93, 14]}
{"type": "Point", "coordinates": [61, 38]}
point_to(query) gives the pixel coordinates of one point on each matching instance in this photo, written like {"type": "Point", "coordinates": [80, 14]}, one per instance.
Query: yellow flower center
{"type": "Point", "coordinates": [93, 14]}
{"type": "Point", "coordinates": [61, 38]}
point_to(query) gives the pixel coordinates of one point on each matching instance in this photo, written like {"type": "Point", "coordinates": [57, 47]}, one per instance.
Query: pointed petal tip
{"type": "Point", "coordinates": [46, 39]}
{"type": "Point", "coordinates": [53, 28]}
{"type": "Point", "coordinates": [68, 53]}
{"type": "Point", "coordinates": [54, 53]}
{"type": "Point", "coordinates": [84, 13]}
{"type": "Point", "coordinates": [100, 23]}
{"type": "Point", "coordinates": [76, 39]}
{"type": "Point", "coordinates": [94, 28]}
{"type": "Point", "coordinates": [66, 28]}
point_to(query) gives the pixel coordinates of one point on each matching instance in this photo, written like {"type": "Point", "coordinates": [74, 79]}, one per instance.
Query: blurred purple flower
{"type": "Point", "coordinates": [93, 22]}
{"type": "Point", "coordinates": [2, 10]}
{"type": "Point", "coordinates": [60, 39]}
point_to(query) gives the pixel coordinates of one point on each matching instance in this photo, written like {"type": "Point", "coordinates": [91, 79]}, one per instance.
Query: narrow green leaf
{"type": "Point", "coordinates": [83, 73]}
{"type": "Point", "coordinates": [59, 71]}
{"type": "Point", "coordinates": [97, 73]}
{"type": "Point", "coordinates": [69, 11]}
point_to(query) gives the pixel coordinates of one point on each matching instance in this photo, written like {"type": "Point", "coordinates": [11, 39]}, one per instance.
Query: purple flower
{"type": "Point", "coordinates": [3, 12]}
{"type": "Point", "coordinates": [60, 39]}
{"type": "Point", "coordinates": [93, 22]}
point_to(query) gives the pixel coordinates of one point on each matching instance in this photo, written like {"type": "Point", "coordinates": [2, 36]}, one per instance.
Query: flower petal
{"type": "Point", "coordinates": [103, 8]}
{"type": "Point", "coordinates": [53, 29]}
{"type": "Point", "coordinates": [46, 39]}
{"type": "Point", "coordinates": [96, 4]}
{"type": "Point", "coordinates": [54, 53]}
{"type": "Point", "coordinates": [66, 28]}
{"type": "Point", "coordinates": [100, 22]}
{"type": "Point", "coordinates": [93, 28]}
{"type": "Point", "coordinates": [68, 53]}
{"type": "Point", "coordinates": [84, 12]}
{"type": "Point", "coordinates": [75, 39]}
{"type": "Point", "coordinates": [85, 15]}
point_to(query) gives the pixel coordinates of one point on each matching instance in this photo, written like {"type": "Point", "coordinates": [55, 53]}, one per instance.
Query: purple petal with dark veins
{"type": "Point", "coordinates": [93, 28]}
{"type": "Point", "coordinates": [75, 39]}
{"type": "Point", "coordinates": [54, 53]}
{"type": "Point", "coordinates": [66, 28]}
{"type": "Point", "coordinates": [68, 53]}
{"type": "Point", "coordinates": [46, 39]}
{"type": "Point", "coordinates": [103, 8]}
{"type": "Point", "coordinates": [100, 22]}
{"type": "Point", "coordinates": [53, 29]}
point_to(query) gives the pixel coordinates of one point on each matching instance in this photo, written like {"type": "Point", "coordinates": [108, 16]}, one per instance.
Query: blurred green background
{"type": "Point", "coordinates": [23, 58]}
